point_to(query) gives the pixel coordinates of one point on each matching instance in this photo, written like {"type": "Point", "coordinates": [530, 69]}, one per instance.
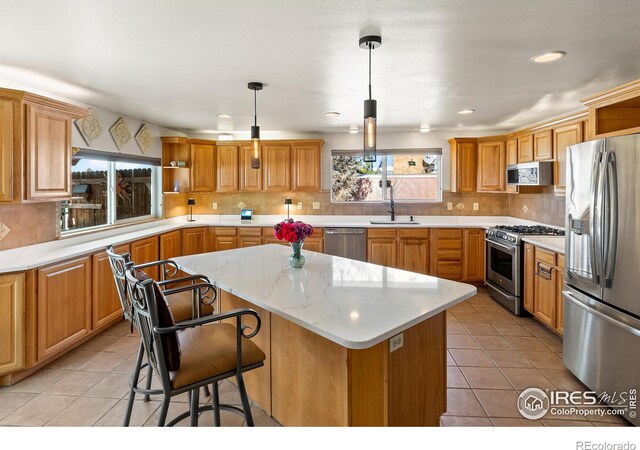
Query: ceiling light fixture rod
{"type": "Point", "coordinates": [370, 106]}
{"type": "Point", "coordinates": [255, 129]}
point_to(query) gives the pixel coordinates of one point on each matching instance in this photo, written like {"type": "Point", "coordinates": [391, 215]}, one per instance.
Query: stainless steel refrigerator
{"type": "Point", "coordinates": [602, 290]}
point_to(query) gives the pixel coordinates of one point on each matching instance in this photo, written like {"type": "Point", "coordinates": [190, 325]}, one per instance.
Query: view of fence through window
{"type": "Point", "coordinates": [414, 177]}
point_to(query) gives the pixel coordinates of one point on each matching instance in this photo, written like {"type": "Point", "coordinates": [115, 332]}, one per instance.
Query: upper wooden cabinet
{"type": "Point", "coordinates": [464, 163]}
{"type": "Point", "coordinates": [228, 167]}
{"type": "Point", "coordinates": [614, 112]}
{"type": "Point", "coordinates": [512, 158]}
{"type": "Point", "coordinates": [564, 137]}
{"type": "Point", "coordinates": [276, 163]}
{"type": "Point", "coordinates": [525, 148]}
{"type": "Point", "coordinates": [203, 166]}
{"type": "Point", "coordinates": [12, 292]}
{"type": "Point", "coordinates": [176, 150]}
{"type": "Point", "coordinates": [492, 167]}
{"type": "Point", "coordinates": [250, 179]}
{"type": "Point", "coordinates": [305, 166]}
{"type": "Point", "coordinates": [542, 145]}
{"type": "Point", "coordinates": [35, 147]}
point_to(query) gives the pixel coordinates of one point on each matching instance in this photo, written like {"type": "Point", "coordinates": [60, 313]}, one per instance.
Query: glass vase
{"type": "Point", "coordinates": [296, 260]}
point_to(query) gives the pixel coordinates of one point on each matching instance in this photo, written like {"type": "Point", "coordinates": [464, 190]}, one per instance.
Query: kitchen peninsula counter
{"type": "Point", "coordinates": [347, 342]}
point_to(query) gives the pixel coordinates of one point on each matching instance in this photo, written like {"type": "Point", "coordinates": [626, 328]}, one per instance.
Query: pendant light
{"type": "Point", "coordinates": [370, 106]}
{"type": "Point", "coordinates": [255, 129]}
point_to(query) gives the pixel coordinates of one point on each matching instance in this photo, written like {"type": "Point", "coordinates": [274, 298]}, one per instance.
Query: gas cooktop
{"type": "Point", "coordinates": [513, 233]}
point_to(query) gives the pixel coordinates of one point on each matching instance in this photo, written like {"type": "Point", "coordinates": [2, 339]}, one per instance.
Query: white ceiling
{"type": "Point", "coordinates": [180, 63]}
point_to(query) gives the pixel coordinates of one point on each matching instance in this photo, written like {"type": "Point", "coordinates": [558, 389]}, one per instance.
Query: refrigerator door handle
{"type": "Point", "coordinates": [595, 219]}
{"type": "Point", "coordinates": [612, 320]}
{"type": "Point", "coordinates": [610, 187]}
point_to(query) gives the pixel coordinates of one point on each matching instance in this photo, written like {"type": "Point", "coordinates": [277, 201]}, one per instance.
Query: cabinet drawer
{"type": "Point", "coordinates": [420, 233]}
{"type": "Point", "coordinates": [449, 255]}
{"type": "Point", "coordinates": [449, 233]}
{"type": "Point", "coordinates": [545, 256]}
{"type": "Point", "coordinates": [451, 270]}
{"type": "Point", "coordinates": [225, 231]}
{"type": "Point", "coordinates": [381, 233]}
{"type": "Point", "coordinates": [250, 231]}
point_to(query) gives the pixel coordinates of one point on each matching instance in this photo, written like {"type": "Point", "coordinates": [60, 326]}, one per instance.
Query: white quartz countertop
{"type": "Point", "coordinates": [553, 243]}
{"type": "Point", "coordinates": [354, 304]}
{"type": "Point", "coordinates": [38, 255]}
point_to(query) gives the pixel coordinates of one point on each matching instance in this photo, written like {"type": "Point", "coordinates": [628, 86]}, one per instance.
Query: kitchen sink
{"type": "Point", "coordinates": [395, 222]}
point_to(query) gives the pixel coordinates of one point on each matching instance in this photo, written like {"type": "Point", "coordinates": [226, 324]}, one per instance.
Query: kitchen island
{"type": "Point", "coordinates": [347, 342]}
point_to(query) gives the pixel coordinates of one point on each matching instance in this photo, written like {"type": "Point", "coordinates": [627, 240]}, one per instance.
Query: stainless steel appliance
{"type": "Point", "coordinates": [346, 242]}
{"type": "Point", "coordinates": [602, 265]}
{"type": "Point", "coordinates": [539, 173]}
{"type": "Point", "coordinates": [505, 262]}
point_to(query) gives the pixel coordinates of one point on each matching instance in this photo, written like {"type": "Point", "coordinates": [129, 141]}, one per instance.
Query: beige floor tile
{"type": "Point", "coordinates": [499, 403]}
{"type": "Point", "coordinates": [566, 423]}
{"type": "Point", "coordinates": [262, 419]}
{"type": "Point", "coordinates": [122, 328]}
{"type": "Point", "coordinates": [485, 378]}
{"type": "Point", "coordinates": [38, 411]}
{"type": "Point", "coordinates": [456, 328]}
{"type": "Point", "coordinates": [105, 361]}
{"type": "Point", "coordinates": [609, 419]}
{"type": "Point", "coordinates": [175, 409]}
{"type": "Point", "coordinates": [509, 422]}
{"type": "Point", "coordinates": [127, 344]}
{"type": "Point", "coordinates": [554, 343]}
{"type": "Point", "coordinates": [494, 343]}
{"type": "Point", "coordinates": [229, 393]}
{"type": "Point", "coordinates": [498, 318]}
{"type": "Point", "coordinates": [457, 421]}
{"type": "Point", "coordinates": [471, 358]}
{"type": "Point", "coordinates": [72, 360]}
{"type": "Point", "coordinates": [462, 308]}
{"type": "Point", "coordinates": [100, 343]}
{"type": "Point", "coordinates": [451, 318]}
{"type": "Point", "coordinates": [127, 365]}
{"type": "Point", "coordinates": [505, 358]}
{"type": "Point", "coordinates": [480, 329]}
{"type": "Point", "coordinates": [461, 341]}
{"type": "Point", "coordinates": [490, 309]}
{"type": "Point", "coordinates": [450, 360]}
{"type": "Point", "coordinates": [76, 383]}
{"type": "Point", "coordinates": [506, 329]}
{"type": "Point", "coordinates": [84, 412]}
{"type": "Point", "coordinates": [563, 379]}
{"type": "Point", "coordinates": [463, 402]}
{"type": "Point", "coordinates": [228, 419]}
{"type": "Point", "coordinates": [455, 379]}
{"type": "Point", "coordinates": [114, 385]}
{"type": "Point", "coordinates": [39, 381]}
{"type": "Point", "coordinates": [538, 330]}
{"type": "Point", "coordinates": [521, 378]}
{"type": "Point", "coordinates": [140, 414]}
{"type": "Point", "coordinates": [610, 424]}
{"type": "Point", "coordinates": [544, 360]}
{"type": "Point", "coordinates": [10, 401]}
{"type": "Point", "coordinates": [470, 317]}
{"type": "Point", "coordinates": [529, 344]}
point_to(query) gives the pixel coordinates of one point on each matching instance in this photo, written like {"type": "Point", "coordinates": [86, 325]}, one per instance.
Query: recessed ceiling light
{"type": "Point", "coordinates": [225, 137]}
{"type": "Point", "coordinates": [332, 114]}
{"type": "Point", "coordinates": [225, 116]}
{"type": "Point", "coordinates": [547, 57]}
{"type": "Point", "coordinates": [466, 111]}
{"type": "Point", "coordinates": [353, 130]}
{"type": "Point", "coordinates": [424, 129]}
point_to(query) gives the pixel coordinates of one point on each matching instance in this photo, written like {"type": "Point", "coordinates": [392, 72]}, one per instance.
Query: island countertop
{"type": "Point", "coordinates": [352, 303]}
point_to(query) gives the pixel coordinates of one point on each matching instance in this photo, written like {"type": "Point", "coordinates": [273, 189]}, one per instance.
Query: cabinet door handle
{"type": "Point", "coordinates": [544, 272]}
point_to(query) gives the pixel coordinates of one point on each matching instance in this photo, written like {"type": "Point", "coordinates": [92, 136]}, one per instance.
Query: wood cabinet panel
{"type": "Point", "coordinates": [194, 240]}
{"type": "Point", "coordinates": [474, 255]}
{"type": "Point", "coordinates": [512, 158]}
{"type": "Point", "coordinates": [225, 243]}
{"type": "Point", "coordinates": [525, 148]}
{"type": "Point", "coordinates": [12, 319]}
{"type": "Point", "coordinates": [10, 172]}
{"type": "Point", "coordinates": [106, 306]}
{"type": "Point", "coordinates": [413, 255]}
{"type": "Point", "coordinates": [227, 168]}
{"type": "Point", "coordinates": [48, 153]}
{"type": "Point", "coordinates": [203, 163]}
{"type": "Point", "coordinates": [276, 167]}
{"type": "Point", "coordinates": [543, 145]}
{"type": "Point", "coordinates": [464, 165]}
{"type": "Point", "coordinates": [314, 244]}
{"type": "Point", "coordinates": [559, 325]}
{"type": "Point", "coordinates": [249, 241]}
{"type": "Point", "coordinates": [491, 166]}
{"type": "Point", "coordinates": [64, 305]}
{"type": "Point", "coordinates": [171, 244]}
{"type": "Point", "coordinates": [144, 251]}
{"type": "Point", "coordinates": [544, 304]}
{"type": "Point", "coordinates": [529, 269]}
{"type": "Point", "coordinates": [250, 179]}
{"type": "Point", "coordinates": [382, 251]}
{"type": "Point", "coordinates": [305, 166]}
{"type": "Point", "coordinates": [563, 137]}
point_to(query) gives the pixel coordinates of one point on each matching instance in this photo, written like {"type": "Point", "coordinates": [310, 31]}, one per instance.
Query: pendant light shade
{"type": "Point", "coordinates": [370, 106]}
{"type": "Point", "coordinates": [255, 129]}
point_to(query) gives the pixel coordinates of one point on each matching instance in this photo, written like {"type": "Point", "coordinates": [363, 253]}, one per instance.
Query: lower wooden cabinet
{"type": "Point", "coordinates": [543, 284]}
{"type": "Point", "coordinates": [473, 257]}
{"type": "Point", "coordinates": [171, 244]}
{"type": "Point", "coordinates": [194, 240]}
{"type": "Point", "coordinates": [64, 305]}
{"type": "Point", "coordinates": [146, 250]}
{"type": "Point", "coordinates": [382, 247]}
{"type": "Point", "coordinates": [106, 306]}
{"type": "Point", "coordinates": [12, 292]}
{"type": "Point", "coordinates": [446, 253]}
{"type": "Point", "coordinates": [413, 250]}
{"type": "Point", "coordinates": [224, 238]}
{"type": "Point", "coordinates": [249, 237]}
{"type": "Point", "coordinates": [529, 270]}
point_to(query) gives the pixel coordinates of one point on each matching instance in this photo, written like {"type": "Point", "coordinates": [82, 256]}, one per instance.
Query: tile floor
{"type": "Point", "coordinates": [492, 356]}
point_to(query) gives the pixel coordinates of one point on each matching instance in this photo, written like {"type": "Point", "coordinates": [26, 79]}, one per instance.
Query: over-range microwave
{"type": "Point", "coordinates": [539, 173]}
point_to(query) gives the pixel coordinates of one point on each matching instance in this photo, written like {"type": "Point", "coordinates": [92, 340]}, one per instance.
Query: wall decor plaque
{"type": "Point", "coordinates": [120, 133]}
{"type": "Point", "coordinates": [89, 127]}
{"type": "Point", "coordinates": [144, 138]}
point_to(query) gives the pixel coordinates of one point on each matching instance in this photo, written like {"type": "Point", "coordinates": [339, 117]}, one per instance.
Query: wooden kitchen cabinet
{"type": "Point", "coordinates": [559, 322]}
{"type": "Point", "coordinates": [64, 305]}
{"type": "Point", "coordinates": [225, 238]}
{"type": "Point", "coordinates": [249, 236]}
{"type": "Point", "coordinates": [314, 244]}
{"type": "Point", "coordinates": [12, 319]}
{"type": "Point", "coordinates": [171, 244]}
{"type": "Point", "coordinates": [512, 158]}
{"type": "Point", "coordinates": [174, 149]}
{"type": "Point", "coordinates": [106, 306]}
{"type": "Point", "coordinates": [193, 240]}
{"type": "Point", "coordinates": [525, 148]}
{"type": "Point", "coordinates": [543, 145]}
{"type": "Point", "coordinates": [381, 247]}
{"type": "Point", "coordinates": [464, 164]}
{"type": "Point", "coordinates": [144, 251]}
{"type": "Point", "coordinates": [492, 166]}
{"type": "Point", "coordinates": [564, 137]}
{"type": "Point", "coordinates": [203, 166]}
{"type": "Point", "coordinates": [250, 179]}
{"type": "Point", "coordinates": [305, 166]}
{"type": "Point", "coordinates": [529, 270]}
{"type": "Point", "coordinates": [228, 160]}
{"type": "Point", "coordinates": [413, 250]}
{"type": "Point", "coordinates": [473, 257]}
{"type": "Point", "coordinates": [9, 151]}
{"type": "Point", "coordinates": [276, 167]}
{"type": "Point", "coordinates": [544, 288]}
{"type": "Point", "coordinates": [446, 253]}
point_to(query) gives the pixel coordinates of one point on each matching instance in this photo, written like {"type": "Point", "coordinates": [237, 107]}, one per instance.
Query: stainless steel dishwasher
{"type": "Point", "coordinates": [346, 242]}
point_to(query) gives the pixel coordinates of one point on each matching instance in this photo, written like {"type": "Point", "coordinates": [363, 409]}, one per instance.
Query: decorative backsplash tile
{"type": "Point", "coordinates": [4, 230]}
{"type": "Point", "coordinates": [460, 206]}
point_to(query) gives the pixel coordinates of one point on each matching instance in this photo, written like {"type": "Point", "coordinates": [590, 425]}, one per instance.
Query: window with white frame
{"type": "Point", "coordinates": [409, 175]}
{"type": "Point", "coordinates": [109, 189]}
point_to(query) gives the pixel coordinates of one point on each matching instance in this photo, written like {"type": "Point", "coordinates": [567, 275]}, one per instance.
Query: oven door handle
{"type": "Point", "coordinates": [502, 246]}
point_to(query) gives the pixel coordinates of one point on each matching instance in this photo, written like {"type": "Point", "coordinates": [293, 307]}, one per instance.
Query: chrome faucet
{"type": "Point", "coordinates": [392, 205]}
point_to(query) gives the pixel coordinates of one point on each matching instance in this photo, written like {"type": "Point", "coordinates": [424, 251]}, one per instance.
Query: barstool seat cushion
{"type": "Point", "coordinates": [210, 350]}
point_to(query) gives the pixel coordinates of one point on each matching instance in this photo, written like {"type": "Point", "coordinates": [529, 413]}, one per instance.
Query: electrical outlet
{"type": "Point", "coordinates": [316, 205]}
{"type": "Point", "coordinates": [214, 205]}
{"type": "Point", "coordinates": [241, 205]}
{"type": "Point", "coordinates": [449, 206]}
{"type": "Point", "coordinates": [396, 342]}
{"type": "Point", "coordinates": [476, 206]}
{"type": "Point", "coordinates": [299, 205]}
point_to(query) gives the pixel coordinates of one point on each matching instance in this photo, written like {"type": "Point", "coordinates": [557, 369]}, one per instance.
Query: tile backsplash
{"type": "Point", "coordinates": [539, 204]}
{"type": "Point", "coordinates": [27, 224]}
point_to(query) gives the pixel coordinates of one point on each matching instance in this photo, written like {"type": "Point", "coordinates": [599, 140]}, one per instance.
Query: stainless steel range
{"type": "Point", "coordinates": [505, 262]}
